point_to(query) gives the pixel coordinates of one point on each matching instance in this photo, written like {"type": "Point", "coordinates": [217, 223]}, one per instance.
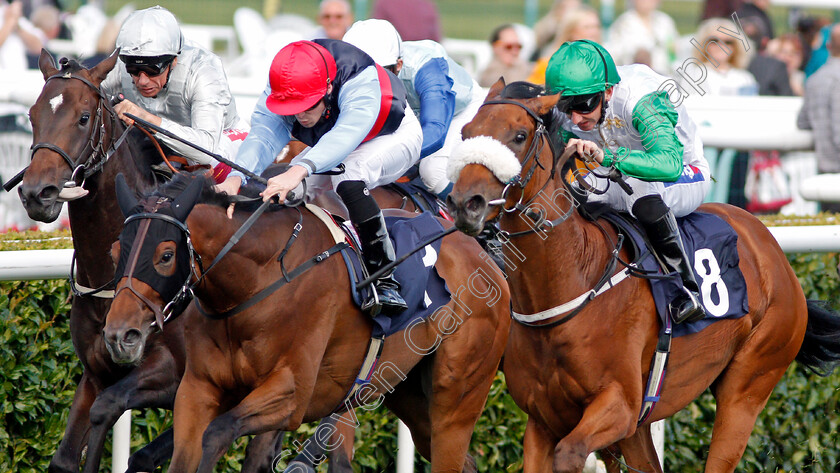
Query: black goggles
{"type": "Point", "coordinates": [151, 66]}
{"type": "Point", "coordinates": [579, 103]}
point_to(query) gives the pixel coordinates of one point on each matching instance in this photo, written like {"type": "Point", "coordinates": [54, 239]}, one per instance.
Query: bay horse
{"type": "Point", "coordinates": [581, 377]}
{"type": "Point", "coordinates": [292, 356]}
{"type": "Point", "coordinates": [75, 136]}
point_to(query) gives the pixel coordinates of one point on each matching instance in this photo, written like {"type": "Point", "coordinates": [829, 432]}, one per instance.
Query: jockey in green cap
{"type": "Point", "coordinates": [621, 117]}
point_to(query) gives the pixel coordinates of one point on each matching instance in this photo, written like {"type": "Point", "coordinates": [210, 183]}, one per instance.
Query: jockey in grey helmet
{"type": "Point", "coordinates": [176, 85]}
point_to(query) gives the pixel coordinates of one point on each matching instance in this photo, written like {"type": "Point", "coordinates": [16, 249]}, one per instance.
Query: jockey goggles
{"type": "Point", "coordinates": [152, 66]}
{"type": "Point", "coordinates": [586, 103]}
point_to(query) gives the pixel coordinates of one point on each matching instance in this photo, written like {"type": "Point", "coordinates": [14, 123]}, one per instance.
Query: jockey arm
{"type": "Point", "coordinates": [209, 96]}
{"type": "Point", "coordinates": [662, 158]}
{"type": "Point", "coordinates": [437, 103]}
{"type": "Point", "coordinates": [358, 101]}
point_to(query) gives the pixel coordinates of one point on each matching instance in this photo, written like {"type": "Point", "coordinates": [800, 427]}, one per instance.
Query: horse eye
{"type": "Point", "coordinates": [84, 119]}
{"type": "Point", "coordinates": [167, 257]}
{"type": "Point", "coordinates": [520, 137]}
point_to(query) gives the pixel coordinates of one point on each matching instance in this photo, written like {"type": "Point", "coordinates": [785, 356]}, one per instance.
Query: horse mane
{"type": "Point", "coordinates": [522, 90]}
{"type": "Point", "coordinates": [181, 180]}
{"type": "Point", "coordinates": [209, 195]}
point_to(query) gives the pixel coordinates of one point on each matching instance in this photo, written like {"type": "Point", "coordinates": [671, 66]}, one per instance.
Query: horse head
{"type": "Point", "coordinates": [505, 156]}
{"type": "Point", "coordinates": [154, 267]}
{"type": "Point", "coordinates": [70, 121]}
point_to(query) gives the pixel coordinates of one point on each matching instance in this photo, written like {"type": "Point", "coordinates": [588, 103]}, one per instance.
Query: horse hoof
{"type": "Point", "coordinates": [298, 467]}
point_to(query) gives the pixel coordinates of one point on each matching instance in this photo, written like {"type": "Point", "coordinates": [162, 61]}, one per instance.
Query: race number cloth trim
{"type": "Point", "coordinates": [422, 288]}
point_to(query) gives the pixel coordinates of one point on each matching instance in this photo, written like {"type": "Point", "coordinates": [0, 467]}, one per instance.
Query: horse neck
{"type": "Point", "coordinates": [96, 219]}
{"type": "Point", "coordinates": [253, 259]}
{"type": "Point", "coordinates": [557, 264]}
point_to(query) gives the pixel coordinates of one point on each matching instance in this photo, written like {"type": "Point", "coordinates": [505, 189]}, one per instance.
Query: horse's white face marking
{"type": "Point", "coordinates": [56, 101]}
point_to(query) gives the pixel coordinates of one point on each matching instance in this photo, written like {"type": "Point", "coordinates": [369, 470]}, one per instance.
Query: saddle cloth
{"type": "Point", "coordinates": [420, 284]}
{"type": "Point", "coordinates": [711, 246]}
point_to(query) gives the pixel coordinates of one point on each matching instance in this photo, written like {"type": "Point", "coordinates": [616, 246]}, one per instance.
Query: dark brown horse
{"type": "Point", "coordinates": [293, 356]}
{"type": "Point", "coordinates": [75, 132]}
{"type": "Point", "coordinates": [581, 380]}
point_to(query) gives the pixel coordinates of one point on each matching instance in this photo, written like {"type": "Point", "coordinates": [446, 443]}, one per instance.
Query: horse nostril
{"type": "Point", "coordinates": [48, 193]}
{"type": "Point", "coordinates": [131, 337]}
{"type": "Point", "coordinates": [476, 203]}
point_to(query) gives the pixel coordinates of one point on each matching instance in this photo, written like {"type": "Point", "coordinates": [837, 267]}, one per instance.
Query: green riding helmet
{"type": "Point", "coordinates": [580, 68]}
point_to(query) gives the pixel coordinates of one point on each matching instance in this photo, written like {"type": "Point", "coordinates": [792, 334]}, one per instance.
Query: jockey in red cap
{"type": "Point", "coordinates": [332, 96]}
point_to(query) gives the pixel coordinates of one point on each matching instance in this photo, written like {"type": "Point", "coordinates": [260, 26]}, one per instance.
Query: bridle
{"type": "Point", "coordinates": [184, 294]}
{"type": "Point", "coordinates": [87, 166]}
{"type": "Point", "coordinates": [521, 180]}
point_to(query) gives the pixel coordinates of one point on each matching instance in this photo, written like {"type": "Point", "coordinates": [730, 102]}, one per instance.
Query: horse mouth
{"type": "Point", "coordinates": [41, 205]}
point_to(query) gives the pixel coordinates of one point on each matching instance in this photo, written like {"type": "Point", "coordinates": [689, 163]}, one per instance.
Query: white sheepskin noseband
{"type": "Point", "coordinates": [487, 151]}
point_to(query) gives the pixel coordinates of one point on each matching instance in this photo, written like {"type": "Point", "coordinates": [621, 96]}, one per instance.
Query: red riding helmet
{"type": "Point", "coordinates": [299, 76]}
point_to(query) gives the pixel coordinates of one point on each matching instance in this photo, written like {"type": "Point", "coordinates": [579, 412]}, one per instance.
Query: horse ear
{"type": "Point", "coordinates": [496, 89]}
{"type": "Point", "coordinates": [545, 103]}
{"type": "Point", "coordinates": [125, 196]}
{"type": "Point", "coordinates": [184, 203]}
{"type": "Point", "coordinates": [46, 62]}
{"type": "Point", "coordinates": [99, 71]}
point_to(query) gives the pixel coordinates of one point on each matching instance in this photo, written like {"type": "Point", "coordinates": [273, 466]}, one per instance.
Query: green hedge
{"type": "Point", "coordinates": [797, 431]}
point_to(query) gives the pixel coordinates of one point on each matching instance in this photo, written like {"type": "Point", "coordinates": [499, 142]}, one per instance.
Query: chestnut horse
{"type": "Point", "coordinates": [581, 378]}
{"type": "Point", "coordinates": [293, 356]}
{"type": "Point", "coordinates": [75, 136]}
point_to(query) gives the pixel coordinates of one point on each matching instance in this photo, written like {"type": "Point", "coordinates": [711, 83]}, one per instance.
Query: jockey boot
{"type": "Point", "coordinates": [660, 225]}
{"type": "Point", "coordinates": [377, 249]}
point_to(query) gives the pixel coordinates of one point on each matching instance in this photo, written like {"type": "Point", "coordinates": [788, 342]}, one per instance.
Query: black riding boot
{"type": "Point", "coordinates": [661, 227]}
{"type": "Point", "coordinates": [377, 249]}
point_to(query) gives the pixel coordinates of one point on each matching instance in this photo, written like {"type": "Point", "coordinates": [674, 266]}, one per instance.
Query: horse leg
{"type": "Point", "coordinates": [409, 404]}
{"type": "Point", "coordinates": [268, 407]}
{"type": "Point", "coordinates": [741, 394]}
{"type": "Point", "coordinates": [592, 432]}
{"type": "Point", "coordinates": [196, 404]}
{"type": "Point", "coordinates": [152, 384]}
{"type": "Point", "coordinates": [338, 447]}
{"type": "Point", "coordinates": [69, 453]}
{"type": "Point", "coordinates": [538, 446]}
{"type": "Point", "coordinates": [639, 451]}
{"type": "Point", "coordinates": [262, 451]}
{"type": "Point", "coordinates": [152, 455]}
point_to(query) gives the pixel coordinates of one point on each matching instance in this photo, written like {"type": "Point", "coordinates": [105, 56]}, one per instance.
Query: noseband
{"type": "Point", "coordinates": [90, 165]}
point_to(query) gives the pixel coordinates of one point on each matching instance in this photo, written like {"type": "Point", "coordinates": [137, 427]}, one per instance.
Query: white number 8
{"type": "Point", "coordinates": [708, 269]}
